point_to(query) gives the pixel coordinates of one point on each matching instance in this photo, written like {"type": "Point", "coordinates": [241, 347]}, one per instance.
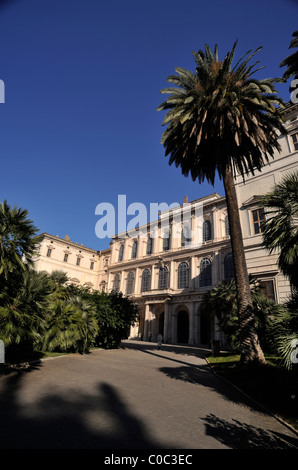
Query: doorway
{"type": "Point", "coordinates": [182, 327]}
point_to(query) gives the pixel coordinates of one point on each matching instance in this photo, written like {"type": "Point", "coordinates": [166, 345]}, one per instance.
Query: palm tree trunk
{"type": "Point", "coordinates": [250, 347]}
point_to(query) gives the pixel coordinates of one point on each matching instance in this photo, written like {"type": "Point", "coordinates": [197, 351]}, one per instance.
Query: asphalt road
{"type": "Point", "coordinates": [135, 397]}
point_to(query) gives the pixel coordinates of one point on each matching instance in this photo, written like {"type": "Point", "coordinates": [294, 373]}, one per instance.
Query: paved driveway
{"type": "Point", "coordinates": [135, 397]}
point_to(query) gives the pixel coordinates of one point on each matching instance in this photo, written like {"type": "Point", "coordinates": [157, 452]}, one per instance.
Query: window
{"type": "Point", "coordinates": [163, 278]}
{"type": "Point", "coordinates": [116, 283]}
{"type": "Point", "coordinates": [185, 236]}
{"type": "Point", "coordinates": [258, 220]}
{"type": "Point", "coordinates": [78, 261]}
{"type": "Point", "coordinates": [166, 241]}
{"type": "Point", "coordinates": [227, 226]}
{"type": "Point", "coordinates": [205, 273]}
{"type": "Point", "coordinates": [183, 275]}
{"type": "Point", "coordinates": [121, 251]}
{"type": "Point", "coordinates": [130, 283]}
{"type": "Point", "coordinates": [149, 246]}
{"type": "Point", "coordinates": [92, 265]}
{"type": "Point", "coordinates": [103, 286]}
{"type": "Point", "coordinates": [295, 140]}
{"type": "Point", "coordinates": [229, 267]}
{"type": "Point", "coordinates": [146, 277]}
{"type": "Point", "coordinates": [65, 258]}
{"type": "Point", "coordinates": [268, 289]}
{"type": "Point", "coordinates": [49, 252]}
{"type": "Point", "coordinates": [134, 250]}
{"type": "Point", "coordinates": [206, 230]}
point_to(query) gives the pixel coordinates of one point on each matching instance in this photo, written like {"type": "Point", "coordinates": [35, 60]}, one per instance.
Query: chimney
{"type": "Point", "coordinates": [185, 199]}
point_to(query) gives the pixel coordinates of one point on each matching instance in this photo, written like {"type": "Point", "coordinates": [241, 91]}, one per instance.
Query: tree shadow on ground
{"type": "Point", "coordinates": [236, 435]}
{"type": "Point", "coordinates": [76, 421]}
{"type": "Point", "coordinates": [239, 435]}
{"type": "Point", "coordinates": [179, 349]}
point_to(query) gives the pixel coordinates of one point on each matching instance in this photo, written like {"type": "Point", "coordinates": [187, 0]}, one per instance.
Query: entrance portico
{"type": "Point", "coordinates": [178, 322]}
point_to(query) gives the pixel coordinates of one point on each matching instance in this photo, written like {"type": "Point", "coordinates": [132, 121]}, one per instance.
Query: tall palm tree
{"type": "Point", "coordinates": [281, 229]}
{"type": "Point", "coordinates": [18, 240]}
{"type": "Point", "coordinates": [221, 119]}
{"type": "Point", "coordinates": [291, 62]}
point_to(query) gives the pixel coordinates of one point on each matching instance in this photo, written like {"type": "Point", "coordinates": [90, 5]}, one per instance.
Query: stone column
{"type": "Point", "coordinates": [172, 275]}
{"type": "Point", "coordinates": [215, 224]}
{"type": "Point", "coordinates": [153, 327]}
{"type": "Point", "coordinates": [122, 281]}
{"type": "Point", "coordinates": [191, 338]}
{"type": "Point", "coordinates": [152, 280]}
{"type": "Point", "coordinates": [147, 322]}
{"type": "Point", "coordinates": [174, 328]}
{"type": "Point", "coordinates": [197, 325]}
{"type": "Point", "coordinates": [166, 323]}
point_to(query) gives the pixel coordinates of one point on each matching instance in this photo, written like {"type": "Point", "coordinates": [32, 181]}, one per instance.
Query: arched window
{"type": "Point", "coordinates": [149, 246]}
{"type": "Point", "coordinates": [146, 277]}
{"type": "Point", "coordinates": [116, 283]}
{"type": "Point", "coordinates": [227, 226]}
{"type": "Point", "coordinates": [134, 249]}
{"type": "Point", "coordinates": [163, 278]}
{"type": "Point", "coordinates": [121, 251]}
{"type": "Point", "coordinates": [229, 267]}
{"type": "Point", "coordinates": [206, 230]}
{"type": "Point", "coordinates": [205, 273]}
{"type": "Point", "coordinates": [183, 277]}
{"type": "Point", "coordinates": [166, 241]}
{"type": "Point", "coordinates": [130, 283]}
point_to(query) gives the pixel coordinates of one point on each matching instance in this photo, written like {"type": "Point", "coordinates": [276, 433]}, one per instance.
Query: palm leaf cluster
{"type": "Point", "coordinates": [291, 62]}
{"type": "Point", "coordinates": [221, 301]}
{"type": "Point", "coordinates": [18, 240]}
{"type": "Point", "coordinates": [281, 229]}
{"type": "Point", "coordinates": [220, 116]}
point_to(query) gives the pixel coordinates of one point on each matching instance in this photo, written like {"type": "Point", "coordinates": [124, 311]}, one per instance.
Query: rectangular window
{"type": "Point", "coordinates": [268, 289]}
{"type": "Point", "coordinates": [92, 265]}
{"type": "Point", "coordinates": [295, 140]}
{"type": "Point", "coordinates": [166, 242]}
{"type": "Point", "coordinates": [258, 220]}
{"type": "Point", "coordinates": [65, 258]}
{"type": "Point", "coordinates": [78, 261]}
{"type": "Point", "coordinates": [49, 252]}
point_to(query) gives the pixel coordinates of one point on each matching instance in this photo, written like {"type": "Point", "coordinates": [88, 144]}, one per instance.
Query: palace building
{"type": "Point", "coordinates": [165, 272]}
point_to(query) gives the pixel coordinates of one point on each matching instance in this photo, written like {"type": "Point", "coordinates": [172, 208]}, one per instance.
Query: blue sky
{"type": "Point", "coordinates": [79, 124]}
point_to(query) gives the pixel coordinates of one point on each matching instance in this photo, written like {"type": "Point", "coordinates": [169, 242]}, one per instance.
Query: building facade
{"type": "Point", "coordinates": [165, 272]}
{"type": "Point", "coordinates": [260, 264]}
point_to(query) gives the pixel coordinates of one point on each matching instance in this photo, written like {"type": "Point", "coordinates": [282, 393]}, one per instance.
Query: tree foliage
{"type": "Point", "coordinates": [220, 116]}
{"type": "Point", "coordinates": [222, 302]}
{"type": "Point", "coordinates": [222, 120]}
{"type": "Point", "coordinates": [291, 62]}
{"type": "Point", "coordinates": [281, 228]}
{"type": "Point", "coordinates": [42, 311]}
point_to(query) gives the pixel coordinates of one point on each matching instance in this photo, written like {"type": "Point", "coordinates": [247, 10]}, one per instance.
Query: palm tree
{"type": "Point", "coordinates": [291, 62]}
{"type": "Point", "coordinates": [88, 327]}
{"type": "Point", "coordinates": [22, 313]}
{"type": "Point", "coordinates": [221, 119]}
{"type": "Point", "coordinates": [59, 281]}
{"type": "Point", "coordinates": [281, 229]}
{"type": "Point", "coordinates": [63, 324]}
{"type": "Point", "coordinates": [18, 240]}
{"type": "Point", "coordinates": [221, 301]}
